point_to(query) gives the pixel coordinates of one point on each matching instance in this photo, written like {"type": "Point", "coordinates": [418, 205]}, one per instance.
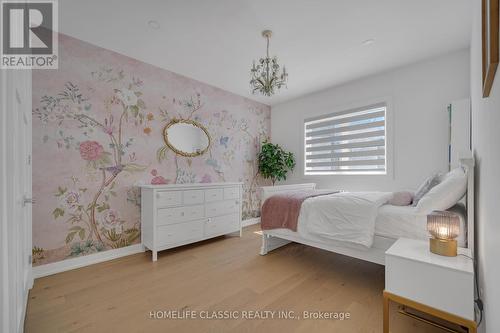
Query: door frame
{"type": "Point", "coordinates": [4, 263]}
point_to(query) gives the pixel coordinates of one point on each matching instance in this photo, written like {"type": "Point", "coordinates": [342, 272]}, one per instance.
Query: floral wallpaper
{"type": "Point", "coordinates": [97, 133]}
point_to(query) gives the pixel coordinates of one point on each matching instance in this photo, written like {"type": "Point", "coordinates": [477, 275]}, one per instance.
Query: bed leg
{"type": "Point", "coordinates": [270, 243]}
{"type": "Point", "coordinates": [263, 248]}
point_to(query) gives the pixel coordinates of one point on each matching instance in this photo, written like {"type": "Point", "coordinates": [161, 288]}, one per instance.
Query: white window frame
{"type": "Point", "coordinates": [389, 135]}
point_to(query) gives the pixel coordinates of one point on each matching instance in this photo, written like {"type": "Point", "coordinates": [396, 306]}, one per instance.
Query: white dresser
{"type": "Point", "coordinates": [179, 214]}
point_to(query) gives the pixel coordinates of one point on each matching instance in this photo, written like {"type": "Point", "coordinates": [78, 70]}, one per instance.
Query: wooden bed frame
{"type": "Point", "coordinates": [273, 239]}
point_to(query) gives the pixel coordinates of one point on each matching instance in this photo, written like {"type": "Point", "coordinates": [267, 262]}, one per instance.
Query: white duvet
{"type": "Point", "coordinates": [347, 216]}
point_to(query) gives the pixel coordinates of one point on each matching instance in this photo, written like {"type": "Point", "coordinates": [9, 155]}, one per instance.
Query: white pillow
{"type": "Point", "coordinates": [403, 198]}
{"type": "Point", "coordinates": [426, 186]}
{"type": "Point", "coordinates": [447, 193]}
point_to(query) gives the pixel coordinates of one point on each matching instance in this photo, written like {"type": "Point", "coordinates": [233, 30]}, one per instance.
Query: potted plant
{"type": "Point", "coordinates": [274, 162]}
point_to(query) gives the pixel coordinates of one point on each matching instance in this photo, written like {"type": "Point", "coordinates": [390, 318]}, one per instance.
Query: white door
{"type": "Point", "coordinates": [15, 199]}
{"type": "Point", "coordinates": [22, 95]}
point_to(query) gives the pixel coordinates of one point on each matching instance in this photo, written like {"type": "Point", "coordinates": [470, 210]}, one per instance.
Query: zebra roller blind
{"type": "Point", "coordinates": [347, 142]}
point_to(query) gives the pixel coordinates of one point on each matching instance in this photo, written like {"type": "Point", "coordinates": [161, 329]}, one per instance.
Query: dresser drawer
{"type": "Point", "coordinates": [222, 224]}
{"type": "Point", "coordinates": [231, 193]}
{"type": "Point", "coordinates": [215, 194]}
{"type": "Point", "coordinates": [179, 214]}
{"type": "Point", "coordinates": [168, 198]}
{"type": "Point", "coordinates": [221, 208]}
{"type": "Point", "coordinates": [179, 233]}
{"type": "Point", "coordinates": [193, 197]}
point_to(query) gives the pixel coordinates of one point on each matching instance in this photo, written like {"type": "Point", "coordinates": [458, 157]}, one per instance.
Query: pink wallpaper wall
{"type": "Point", "coordinates": [97, 124]}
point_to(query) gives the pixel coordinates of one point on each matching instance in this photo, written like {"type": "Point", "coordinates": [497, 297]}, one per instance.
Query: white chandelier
{"type": "Point", "coordinates": [266, 76]}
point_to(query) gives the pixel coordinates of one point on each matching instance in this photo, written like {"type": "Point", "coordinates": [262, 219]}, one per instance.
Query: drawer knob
{"type": "Point", "coordinates": [182, 214]}
{"type": "Point", "coordinates": [209, 220]}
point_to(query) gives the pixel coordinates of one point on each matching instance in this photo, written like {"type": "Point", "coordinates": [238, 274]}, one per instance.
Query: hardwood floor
{"type": "Point", "coordinates": [220, 274]}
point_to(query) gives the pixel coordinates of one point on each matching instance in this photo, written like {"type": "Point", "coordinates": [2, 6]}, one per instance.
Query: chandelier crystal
{"type": "Point", "coordinates": [266, 75]}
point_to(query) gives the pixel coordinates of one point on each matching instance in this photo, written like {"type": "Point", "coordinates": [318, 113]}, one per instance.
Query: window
{"type": "Point", "coordinates": [347, 142]}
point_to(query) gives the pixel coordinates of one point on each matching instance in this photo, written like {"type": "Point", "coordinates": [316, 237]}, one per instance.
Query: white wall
{"type": "Point", "coordinates": [485, 142]}
{"type": "Point", "coordinates": [418, 95]}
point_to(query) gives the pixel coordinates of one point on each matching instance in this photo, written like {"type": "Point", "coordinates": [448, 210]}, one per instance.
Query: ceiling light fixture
{"type": "Point", "coordinates": [154, 24]}
{"type": "Point", "coordinates": [368, 41]}
{"type": "Point", "coordinates": [266, 75]}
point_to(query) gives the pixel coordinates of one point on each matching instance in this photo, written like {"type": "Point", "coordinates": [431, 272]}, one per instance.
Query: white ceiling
{"type": "Point", "coordinates": [319, 41]}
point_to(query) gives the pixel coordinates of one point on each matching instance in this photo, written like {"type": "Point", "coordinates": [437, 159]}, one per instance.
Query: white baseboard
{"type": "Point", "coordinates": [69, 264]}
{"type": "Point", "coordinates": [246, 223]}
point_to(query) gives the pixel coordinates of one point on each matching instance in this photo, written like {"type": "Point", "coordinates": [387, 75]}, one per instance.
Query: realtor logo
{"type": "Point", "coordinates": [29, 34]}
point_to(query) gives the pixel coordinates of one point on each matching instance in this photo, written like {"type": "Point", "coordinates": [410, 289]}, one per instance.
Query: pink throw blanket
{"type": "Point", "coordinates": [282, 210]}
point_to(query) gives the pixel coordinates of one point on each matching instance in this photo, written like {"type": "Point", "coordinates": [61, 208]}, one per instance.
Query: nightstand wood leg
{"type": "Point", "coordinates": [386, 313]}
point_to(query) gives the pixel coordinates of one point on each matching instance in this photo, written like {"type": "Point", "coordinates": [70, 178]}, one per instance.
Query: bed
{"type": "Point", "coordinates": [391, 222]}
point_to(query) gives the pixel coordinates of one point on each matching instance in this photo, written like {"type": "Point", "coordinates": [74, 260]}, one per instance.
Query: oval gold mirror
{"type": "Point", "coordinates": [186, 137]}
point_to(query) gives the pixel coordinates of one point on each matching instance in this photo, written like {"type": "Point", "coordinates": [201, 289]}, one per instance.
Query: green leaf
{"type": "Point", "coordinates": [73, 219]}
{"type": "Point", "coordinates": [81, 233]}
{"type": "Point", "coordinates": [70, 237]}
{"type": "Point", "coordinates": [61, 191]}
{"type": "Point", "coordinates": [58, 212]}
{"type": "Point", "coordinates": [161, 153]}
{"type": "Point", "coordinates": [134, 109]}
{"type": "Point", "coordinates": [105, 158]}
{"type": "Point", "coordinates": [101, 208]}
{"type": "Point", "coordinates": [133, 167]}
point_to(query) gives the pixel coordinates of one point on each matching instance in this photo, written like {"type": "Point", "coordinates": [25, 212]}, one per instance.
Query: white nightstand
{"type": "Point", "coordinates": [430, 283]}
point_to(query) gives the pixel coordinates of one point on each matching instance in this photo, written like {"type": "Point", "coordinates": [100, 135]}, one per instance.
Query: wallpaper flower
{"type": "Point", "coordinates": [97, 133]}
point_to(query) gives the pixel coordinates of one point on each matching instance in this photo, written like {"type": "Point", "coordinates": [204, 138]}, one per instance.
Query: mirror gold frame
{"type": "Point", "coordinates": [191, 122]}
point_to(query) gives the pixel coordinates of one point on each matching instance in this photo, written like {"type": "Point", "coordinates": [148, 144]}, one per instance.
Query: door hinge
{"type": "Point", "coordinates": [29, 159]}
{"type": "Point", "coordinates": [27, 201]}
{"type": "Point", "coordinates": [30, 259]}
